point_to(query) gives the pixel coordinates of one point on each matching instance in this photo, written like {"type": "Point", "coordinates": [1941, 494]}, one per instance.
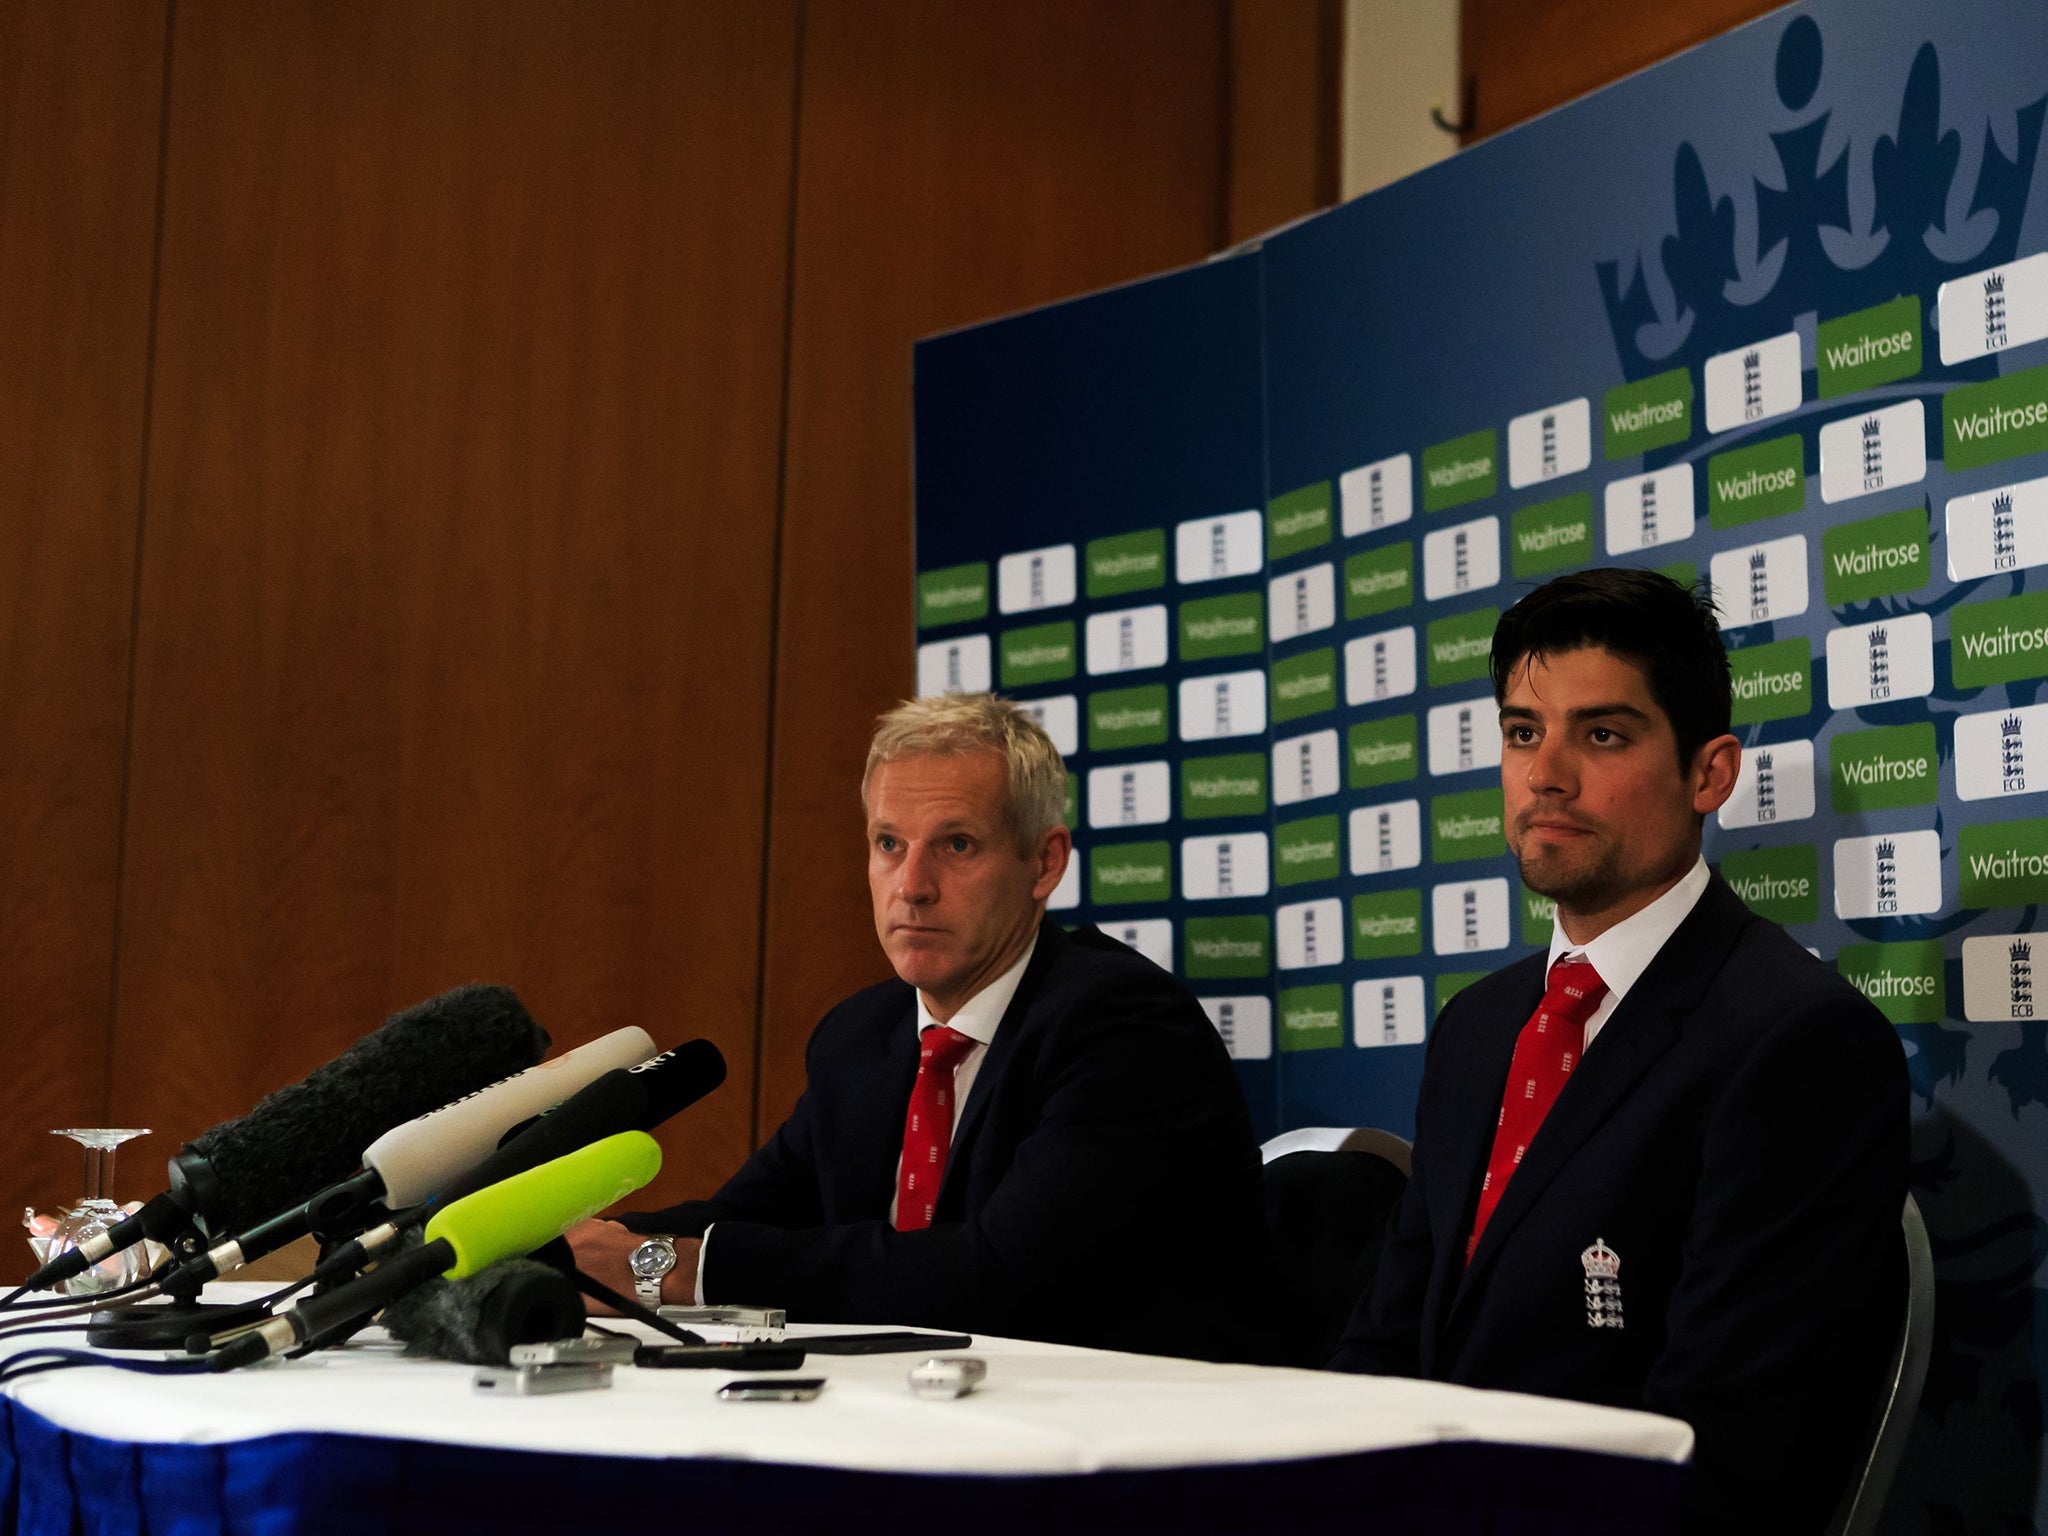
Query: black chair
{"type": "Point", "coordinates": [1863, 1502]}
{"type": "Point", "coordinates": [1328, 1196]}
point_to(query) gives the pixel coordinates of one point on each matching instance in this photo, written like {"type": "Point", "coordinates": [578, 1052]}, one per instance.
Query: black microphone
{"type": "Point", "coordinates": [302, 1138]}
{"type": "Point", "coordinates": [636, 1098]}
{"type": "Point", "coordinates": [477, 1321]}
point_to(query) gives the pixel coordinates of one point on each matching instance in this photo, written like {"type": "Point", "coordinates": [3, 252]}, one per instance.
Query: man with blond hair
{"type": "Point", "coordinates": [1028, 1132]}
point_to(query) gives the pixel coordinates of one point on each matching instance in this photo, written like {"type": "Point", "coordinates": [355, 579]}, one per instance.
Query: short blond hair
{"type": "Point", "coordinates": [953, 724]}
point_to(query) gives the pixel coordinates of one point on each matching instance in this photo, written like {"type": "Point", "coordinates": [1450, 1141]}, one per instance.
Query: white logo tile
{"type": "Point", "coordinates": [2002, 529]}
{"type": "Point", "coordinates": [1462, 558]}
{"type": "Point", "coordinates": [1386, 837]}
{"type": "Point", "coordinates": [1650, 511]}
{"type": "Point", "coordinates": [2002, 977]}
{"type": "Point", "coordinates": [1464, 737]}
{"type": "Point", "coordinates": [1545, 444]}
{"type": "Point", "coordinates": [1388, 1011]}
{"type": "Point", "coordinates": [1873, 451]}
{"type": "Point", "coordinates": [1127, 639]}
{"type": "Point", "coordinates": [1753, 382]}
{"type": "Point", "coordinates": [1129, 795]}
{"type": "Point", "coordinates": [2002, 752]}
{"type": "Point", "coordinates": [1035, 578]}
{"type": "Point", "coordinates": [1151, 937]}
{"type": "Point", "coordinates": [1301, 602]}
{"type": "Point", "coordinates": [1067, 894]}
{"type": "Point", "coordinates": [1226, 704]}
{"type": "Point", "coordinates": [1232, 864]}
{"type": "Point", "coordinates": [1469, 917]}
{"type": "Point", "coordinates": [1891, 659]}
{"type": "Point", "coordinates": [1760, 582]}
{"type": "Point", "coordinates": [959, 665]}
{"type": "Point", "coordinates": [1380, 665]}
{"type": "Point", "coordinates": [1776, 784]}
{"type": "Point", "coordinates": [1308, 934]}
{"type": "Point", "coordinates": [1992, 310]}
{"type": "Point", "coordinates": [1211, 548]}
{"type": "Point", "coordinates": [1897, 874]}
{"type": "Point", "coordinates": [1377, 495]}
{"type": "Point", "coordinates": [1306, 768]}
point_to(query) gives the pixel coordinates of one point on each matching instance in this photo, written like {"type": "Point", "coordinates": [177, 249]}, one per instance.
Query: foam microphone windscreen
{"type": "Point", "coordinates": [301, 1139]}
{"type": "Point", "coordinates": [476, 1321]}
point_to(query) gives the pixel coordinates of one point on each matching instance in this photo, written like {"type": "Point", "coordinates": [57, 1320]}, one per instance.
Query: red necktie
{"type": "Point", "coordinates": [928, 1127]}
{"type": "Point", "coordinates": [1545, 1053]}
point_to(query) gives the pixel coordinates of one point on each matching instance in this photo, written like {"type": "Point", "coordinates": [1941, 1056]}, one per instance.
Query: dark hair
{"type": "Point", "coordinates": [1667, 630]}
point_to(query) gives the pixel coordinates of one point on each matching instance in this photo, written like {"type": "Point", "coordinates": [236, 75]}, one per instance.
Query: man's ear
{"type": "Point", "coordinates": [1050, 857]}
{"type": "Point", "coordinates": [1715, 768]}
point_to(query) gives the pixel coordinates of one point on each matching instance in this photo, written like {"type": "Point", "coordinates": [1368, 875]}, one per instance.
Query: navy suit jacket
{"type": "Point", "coordinates": [1737, 1136]}
{"type": "Point", "coordinates": [1102, 1187]}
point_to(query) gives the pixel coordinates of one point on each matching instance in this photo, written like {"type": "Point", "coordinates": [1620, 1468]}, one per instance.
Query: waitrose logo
{"type": "Point", "coordinates": [1223, 787]}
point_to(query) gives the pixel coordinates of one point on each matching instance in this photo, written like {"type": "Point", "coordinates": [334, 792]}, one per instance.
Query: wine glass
{"type": "Point", "coordinates": [92, 1215]}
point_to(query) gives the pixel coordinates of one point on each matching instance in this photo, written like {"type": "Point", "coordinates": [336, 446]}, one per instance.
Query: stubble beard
{"type": "Point", "coordinates": [1575, 884]}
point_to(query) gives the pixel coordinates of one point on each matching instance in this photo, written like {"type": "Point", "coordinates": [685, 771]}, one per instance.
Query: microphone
{"type": "Point", "coordinates": [302, 1138]}
{"type": "Point", "coordinates": [410, 1163]}
{"type": "Point", "coordinates": [634, 1098]}
{"type": "Point", "coordinates": [503, 1220]}
{"type": "Point", "coordinates": [478, 1320]}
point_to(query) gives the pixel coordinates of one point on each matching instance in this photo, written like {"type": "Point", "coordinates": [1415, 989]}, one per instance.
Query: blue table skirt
{"type": "Point", "coordinates": [54, 1482]}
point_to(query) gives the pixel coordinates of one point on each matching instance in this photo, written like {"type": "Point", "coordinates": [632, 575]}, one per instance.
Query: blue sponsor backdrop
{"type": "Point", "coordinates": [1694, 232]}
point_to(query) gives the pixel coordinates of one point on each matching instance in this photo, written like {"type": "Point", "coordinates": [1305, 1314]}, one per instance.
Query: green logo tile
{"type": "Point", "coordinates": [1380, 752]}
{"type": "Point", "coordinates": [1999, 641]}
{"type": "Point", "coordinates": [1782, 884]}
{"type": "Point", "coordinates": [1312, 1018]}
{"type": "Point", "coordinates": [2004, 864]}
{"type": "Point", "coordinates": [1126, 562]}
{"type": "Point", "coordinates": [1871, 347]}
{"type": "Point", "coordinates": [1231, 785]}
{"type": "Point", "coordinates": [1771, 682]}
{"type": "Point", "coordinates": [1463, 469]}
{"type": "Point", "coordinates": [1042, 653]}
{"type": "Point", "coordinates": [1297, 521]}
{"type": "Point", "coordinates": [1466, 826]}
{"type": "Point", "coordinates": [1537, 913]}
{"type": "Point", "coordinates": [1653, 413]}
{"type": "Point", "coordinates": [952, 596]}
{"type": "Point", "coordinates": [1765, 480]}
{"type": "Point", "coordinates": [1904, 980]}
{"type": "Point", "coordinates": [1386, 925]}
{"type": "Point", "coordinates": [1304, 684]}
{"type": "Point", "coordinates": [1070, 807]}
{"type": "Point", "coordinates": [1219, 947]}
{"type": "Point", "coordinates": [1130, 872]}
{"type": "Point", "coordinates": [1379, 580]}
{"type": "Point", "coordinates": [1685, 572]}
{"type": "Point", "coordinates": [1127, 717]}
{"type": "Point", "coordinates": [1552, 535]}
{"type": "Point", "coordinates": [1306, 850]}
{"type": "Point", "coordinates": [1890, 766]}
{"type": "Point", "coordinates": [1461, 647]}
{"type": "Point", "coordinates": [1983, 423]}
{"type": "Point", "coordinates": [1875, 557]}
{"type": "Point", "coordinates": [1231, 625]}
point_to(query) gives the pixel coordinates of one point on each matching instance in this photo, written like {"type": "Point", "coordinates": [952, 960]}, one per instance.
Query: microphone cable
{"type": "Point", "coordinates": [33, 1362]}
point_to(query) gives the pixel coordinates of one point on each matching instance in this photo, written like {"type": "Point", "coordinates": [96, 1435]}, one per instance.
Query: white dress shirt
{"type": "Point", "coordinates": [977, 1019]}
{"type": "Point", "coordinates": [1625, 951]}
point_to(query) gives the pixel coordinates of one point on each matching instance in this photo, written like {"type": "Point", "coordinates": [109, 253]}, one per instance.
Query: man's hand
{"type": "Point", "coordinates": [602, 1248]}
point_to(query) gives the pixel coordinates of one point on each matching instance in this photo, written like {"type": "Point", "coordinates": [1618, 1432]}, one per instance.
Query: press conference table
{"type": "Point", "coordinates": [1058, 1439]}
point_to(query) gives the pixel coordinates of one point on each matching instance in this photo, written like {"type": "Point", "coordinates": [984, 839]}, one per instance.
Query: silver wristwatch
{"type": "Point", "coordinates": [650, 1263]}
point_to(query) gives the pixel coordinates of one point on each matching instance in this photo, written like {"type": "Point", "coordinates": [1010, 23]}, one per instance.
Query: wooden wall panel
{"type": "Point", "coordinates": [1286, 112]}
{"type": "Point", "coordinates": [454, 649]}
{"type": "Point", "coordinates": [1522, 57]}
{"type": "Point", "coordinates": [80, 111]}
{"type": "Point", "coordinates": [955, 161]}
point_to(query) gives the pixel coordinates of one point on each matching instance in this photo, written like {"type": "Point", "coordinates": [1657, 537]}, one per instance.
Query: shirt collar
{"type": "Point", "coordinates": [981, 1013]}
{"type": "Point", "coordinates": [1625, 951]}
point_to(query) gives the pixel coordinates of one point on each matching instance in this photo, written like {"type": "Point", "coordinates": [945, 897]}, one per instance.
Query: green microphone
{"type": "Point", "coordinates": [500, 1221]}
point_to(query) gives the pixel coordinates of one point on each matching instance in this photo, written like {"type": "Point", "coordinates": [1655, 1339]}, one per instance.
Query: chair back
{"type": "Point", "coordinates": [1863, 1501]}
{"type": "Point", "coordinates": [1328, 1197]}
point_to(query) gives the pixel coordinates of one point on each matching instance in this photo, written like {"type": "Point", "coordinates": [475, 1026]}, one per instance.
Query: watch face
{"type": "Point", "coordinates": [651, 1260]}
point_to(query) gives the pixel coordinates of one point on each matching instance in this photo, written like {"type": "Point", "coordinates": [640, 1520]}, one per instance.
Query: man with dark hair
{"type": "Point", "coordinates": [1661, 1166]}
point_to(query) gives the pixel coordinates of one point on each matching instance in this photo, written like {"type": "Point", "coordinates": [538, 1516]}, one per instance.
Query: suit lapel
{"type": "Point", "coordinates": [1002, 1050]}
{"type": "Point", "coordinates": [1642, 1028]}
{"type": "Point", "coordinates": [885, 1078]}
